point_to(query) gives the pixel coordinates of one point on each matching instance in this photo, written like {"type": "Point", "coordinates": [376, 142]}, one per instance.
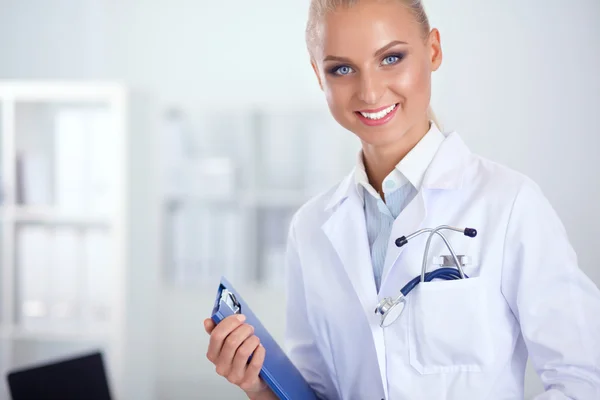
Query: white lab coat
{"type": "Point", "coordinates": [461, 339]}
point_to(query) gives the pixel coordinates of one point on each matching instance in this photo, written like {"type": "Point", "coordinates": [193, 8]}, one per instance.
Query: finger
{"type": "Point", "coordinates": [209, 325]}
{"type": "Point", "coordinates": [220, 333]}
{"type": "Point", "coordinates": [231, 345]}
{"type": "Point", "coordinates": [240, 360]}
{"type": "Point", "coordinates": [251, 377]}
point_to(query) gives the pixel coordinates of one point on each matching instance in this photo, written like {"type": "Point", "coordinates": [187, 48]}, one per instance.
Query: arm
{"type": "Point", "coordinates": [556, 304]}
{"type": "Point", "coordinates": [299, 337]}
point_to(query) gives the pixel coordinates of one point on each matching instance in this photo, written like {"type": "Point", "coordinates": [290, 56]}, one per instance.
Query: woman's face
{"type": "Point", "coordinates": [375, 69]}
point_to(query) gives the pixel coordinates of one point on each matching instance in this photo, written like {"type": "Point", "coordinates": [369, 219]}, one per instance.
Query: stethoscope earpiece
{"type": "Point", "coordinates": [401, 241]}
{"type": "Point", "coordinates": [470, 232]}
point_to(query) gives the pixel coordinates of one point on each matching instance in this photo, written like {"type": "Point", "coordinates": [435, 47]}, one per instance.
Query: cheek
{"type": "Point", "coordinates": [338, 99]}
{"type": "Point", "coordinates": [413, 83]}
{"type": "Point", "coordinates": [338, 96]}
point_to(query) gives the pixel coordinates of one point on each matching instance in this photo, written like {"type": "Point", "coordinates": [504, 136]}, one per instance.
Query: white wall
{"type": "Point", "coordinates": [518, 81]}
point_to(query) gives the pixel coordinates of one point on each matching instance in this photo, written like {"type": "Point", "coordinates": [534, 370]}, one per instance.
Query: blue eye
{"type": "Point", "coordinates": [393, 59]}
{"type": "Point", "coordinates": [343, 70]}
{"type": "Point", "coordinates": [390, 60]}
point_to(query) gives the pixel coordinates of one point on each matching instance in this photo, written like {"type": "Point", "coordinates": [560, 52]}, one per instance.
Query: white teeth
{"type": "Point", "coordinates": [380, 114]}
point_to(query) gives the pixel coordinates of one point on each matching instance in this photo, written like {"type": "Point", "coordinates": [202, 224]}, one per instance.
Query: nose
{"type": "Point", "coordinates": [371, 88]}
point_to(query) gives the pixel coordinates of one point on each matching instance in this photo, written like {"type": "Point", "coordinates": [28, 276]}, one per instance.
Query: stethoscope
{"type": "Point", "coordinates": [389, 308]}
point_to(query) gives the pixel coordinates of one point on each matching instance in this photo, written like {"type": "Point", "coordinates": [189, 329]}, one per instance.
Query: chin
{"type": "Point", "coordinates": [379, 139]}
{"type": "Point", "coordinates": [379, 136]}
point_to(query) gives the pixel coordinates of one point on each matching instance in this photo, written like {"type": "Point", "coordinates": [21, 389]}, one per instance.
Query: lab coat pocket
{"type": "Point", "coordinates": [449, 329]}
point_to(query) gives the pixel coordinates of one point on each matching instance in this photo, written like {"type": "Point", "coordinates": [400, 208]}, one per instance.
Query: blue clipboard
{"type": "Point", "coordinates": [277, 371]}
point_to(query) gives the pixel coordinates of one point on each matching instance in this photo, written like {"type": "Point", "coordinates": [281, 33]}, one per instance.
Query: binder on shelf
{"type": "Point", "coordinates": [278, 371]}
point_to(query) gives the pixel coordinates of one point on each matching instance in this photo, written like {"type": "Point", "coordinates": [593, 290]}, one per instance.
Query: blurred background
{"type": "Point", "coordinates": [148, 147]}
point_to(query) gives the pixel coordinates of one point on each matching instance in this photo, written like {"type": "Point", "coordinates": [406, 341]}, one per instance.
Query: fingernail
{"type": "Point", "coordinates": [241, 317]}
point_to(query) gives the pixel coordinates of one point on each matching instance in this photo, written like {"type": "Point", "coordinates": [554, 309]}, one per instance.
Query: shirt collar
{"type": "Point", "coordinates": [411, 169]}
{"type": "Point", "coordinates": [447, 171]}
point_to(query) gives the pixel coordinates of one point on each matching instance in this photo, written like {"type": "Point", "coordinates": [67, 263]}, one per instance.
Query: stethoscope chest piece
{"type": "Point", "coordinates": [390, 310]}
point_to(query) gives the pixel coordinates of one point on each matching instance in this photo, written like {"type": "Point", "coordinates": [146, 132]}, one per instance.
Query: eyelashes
{"type": "Point", "coordinates": [388, 60]}
{"type": "Point", "coordinates": [340, 70]}
{"type": "Point", "coordinates": [396, 58]}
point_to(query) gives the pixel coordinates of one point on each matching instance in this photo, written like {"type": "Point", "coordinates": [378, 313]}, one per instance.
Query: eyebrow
{"type": "Point", "coordinates": [377, 53]}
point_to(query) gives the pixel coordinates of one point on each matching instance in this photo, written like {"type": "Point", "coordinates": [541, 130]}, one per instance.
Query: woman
{"type": "Point", "coordinates": [524, 294]}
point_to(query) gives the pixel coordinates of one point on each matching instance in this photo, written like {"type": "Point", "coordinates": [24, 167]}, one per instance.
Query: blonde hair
{"type": "Point", "coordinates": [319, 8]}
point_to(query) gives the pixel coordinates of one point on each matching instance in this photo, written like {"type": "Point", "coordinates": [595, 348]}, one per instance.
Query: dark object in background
{"type": "Point", "coordinates": [77, 378]}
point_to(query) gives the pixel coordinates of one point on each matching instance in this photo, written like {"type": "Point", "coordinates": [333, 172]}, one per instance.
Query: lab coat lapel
{"type": "Point", "coordinates": [347, 232]}
{"type": "Point", "coordinates": [409, 220]}
{"type": "Point", "coordinates": [444, 173]}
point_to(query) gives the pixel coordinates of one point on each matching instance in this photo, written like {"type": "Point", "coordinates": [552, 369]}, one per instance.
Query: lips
{"type": "Point", "coordinates": [377, 113]}
{"type": "Point", "coordinates": [378, 116]}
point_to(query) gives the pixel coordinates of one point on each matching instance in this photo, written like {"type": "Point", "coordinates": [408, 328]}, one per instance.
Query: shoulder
{"type": "Point", "coordinates": [482, 182]}
{"type": "Point", "coordinates": [517, 191]}
{"type": "Point", "coordinates": [498, 179]}
{"type": "Point", "coordinates": [311, 216]}
{"type": "Point", "coordinates": [313, 212]}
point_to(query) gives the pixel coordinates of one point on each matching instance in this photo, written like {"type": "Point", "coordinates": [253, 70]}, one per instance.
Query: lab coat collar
{"type": "Point", "coordinates": [445, 171]}
{"type": "Point", "coordinates": [411, 169]}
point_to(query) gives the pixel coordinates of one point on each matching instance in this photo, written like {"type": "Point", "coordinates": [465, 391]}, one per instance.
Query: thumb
{"type": "Point", "coordinates": [209, 325]}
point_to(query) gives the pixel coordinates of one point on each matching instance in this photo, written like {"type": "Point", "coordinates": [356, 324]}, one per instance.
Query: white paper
{"type": "Point", "coordinates": [70, 161]}
{"type": "Point", "coordinates": [34, 246]}
{"type": "Point", "coordinates": [36, 178]}
{"type": "Point", "coordinates": [85, 162]}
{"type": "Point", "coordinates": [99, 272]}
{"type": "Point", "coordinates": [66, 278]}
{"type": "Point", "coordinates": [102, 162]}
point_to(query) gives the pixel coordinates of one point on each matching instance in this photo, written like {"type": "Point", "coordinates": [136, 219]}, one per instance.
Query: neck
{"type": "Point", "coordinates": [381, 160]}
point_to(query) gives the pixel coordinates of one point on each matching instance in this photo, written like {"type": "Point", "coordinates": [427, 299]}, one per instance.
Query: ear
{"type": "Point", "coordinates": [316, 71]}
{"type": "Point", "coordinates": [435, 47]}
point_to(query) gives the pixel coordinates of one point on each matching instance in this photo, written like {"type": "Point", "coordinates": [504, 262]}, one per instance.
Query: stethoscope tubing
{"type": "Point", "coordinates": [445, 273]}
{"type": "Point", "coordinates": [385, 306]}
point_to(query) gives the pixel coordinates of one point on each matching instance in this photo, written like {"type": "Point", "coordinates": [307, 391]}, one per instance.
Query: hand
{"type": "Point", "coordinates": [231, 344]}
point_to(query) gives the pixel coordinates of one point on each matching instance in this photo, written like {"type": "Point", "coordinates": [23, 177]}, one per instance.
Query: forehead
{"type": "Point", "coordinates": [366, 27]}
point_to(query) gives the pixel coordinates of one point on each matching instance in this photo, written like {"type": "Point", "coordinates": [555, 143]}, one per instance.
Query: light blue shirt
{"type": "Point", "coordinates": [380, 217]}
{"type": "Point", "coordinates": [399, 187]}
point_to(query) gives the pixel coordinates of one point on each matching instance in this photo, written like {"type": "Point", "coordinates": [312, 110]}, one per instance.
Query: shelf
{"type": "Point", "coordinates": [63, 153]}
{"type": "Point", "coordinates": [53, 335]}
{"type": "Point", "coordinates": [55, 91]}
{"type": "Point", "coordinates": [174, 201]}
{"type": "Point", "coordinates": [271, 198]}
{"type": "Point", "coordinates": [275, 198]}
{"type": "Point", "coordinates": [49, 216]}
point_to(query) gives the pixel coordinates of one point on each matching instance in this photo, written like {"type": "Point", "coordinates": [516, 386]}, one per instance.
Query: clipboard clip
{"type": "Point", "coordinates": [229, 298]}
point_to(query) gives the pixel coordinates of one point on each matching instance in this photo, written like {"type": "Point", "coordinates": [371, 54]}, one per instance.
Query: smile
{"type": "Point", "coordinates": [377, 117]}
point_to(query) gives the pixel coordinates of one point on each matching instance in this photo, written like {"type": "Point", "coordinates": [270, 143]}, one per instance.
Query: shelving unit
{"type": "Point", "coordinates": [268, 163]}
{"type": "Point", "coordinates": [63, 222]}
